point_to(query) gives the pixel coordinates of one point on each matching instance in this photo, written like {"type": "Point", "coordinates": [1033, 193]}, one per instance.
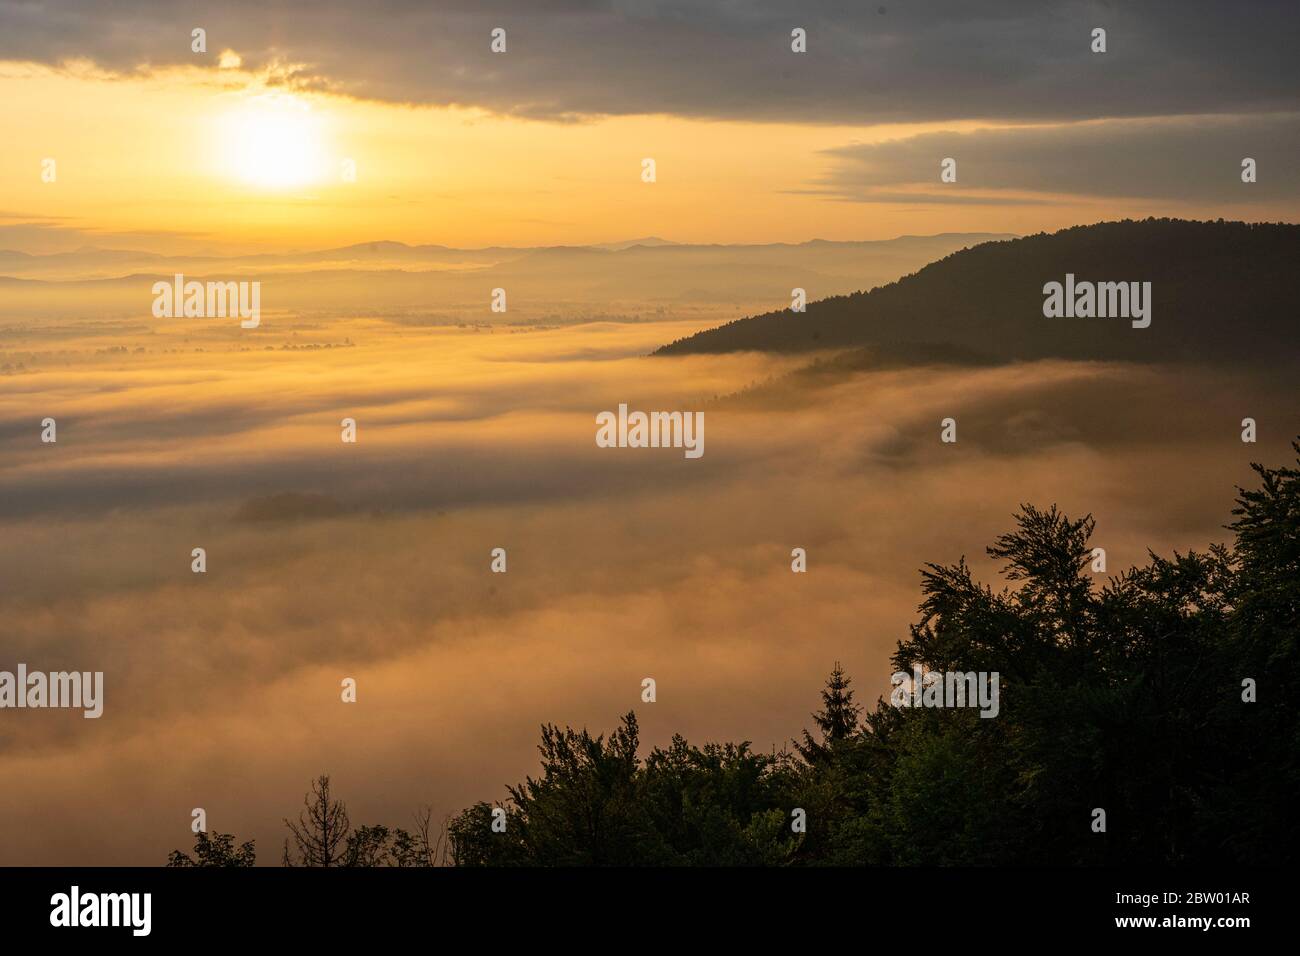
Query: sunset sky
{"type": "Point", "coordinates": [369, 560]}
{"type": "Point", "coordinates": [241, 148]}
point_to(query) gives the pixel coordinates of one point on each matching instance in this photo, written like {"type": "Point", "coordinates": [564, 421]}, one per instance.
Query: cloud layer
{"type": "Point", "coordinates": [866, 63]}
{"type": "Point", "coordinates": [371, 560]}
{"type": "Point", "coordinates": [1179, 159]}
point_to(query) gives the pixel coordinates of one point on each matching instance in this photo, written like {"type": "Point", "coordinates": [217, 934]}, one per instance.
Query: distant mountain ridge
{"type": "Point", "coordinates": [1220, 290]}
{"type": "Point", "coordinates": [96, 262]}
{"type": "Point", "coordinates": [560, 283]}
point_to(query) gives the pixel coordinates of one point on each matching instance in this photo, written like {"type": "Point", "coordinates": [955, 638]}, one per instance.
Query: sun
{"type": "Point", "coordinates": [273, 141]}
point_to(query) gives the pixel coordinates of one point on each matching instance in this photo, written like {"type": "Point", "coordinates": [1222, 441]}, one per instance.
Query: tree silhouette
{"type": "Point", "coordinates": [322, 832]}
{"type": "Point", "coordinates": [323, 836]}
{"type": "Point", "coordinates": [381, 846]}
{"type": "Point", "coordinates": [838, 719]}
{"type": "Point", "coordinates": [1166, 695]}
{"type": "Point", "coordinates": [217, 850]}
{"type": "Point", "coordinates": [596, 803]}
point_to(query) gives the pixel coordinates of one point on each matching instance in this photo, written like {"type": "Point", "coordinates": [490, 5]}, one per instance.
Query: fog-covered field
{"type": "Point", "coordinates": [328, 560]}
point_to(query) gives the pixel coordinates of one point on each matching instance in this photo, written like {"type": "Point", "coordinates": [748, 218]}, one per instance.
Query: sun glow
{"type": "Point", "coordinates": [274, 141]}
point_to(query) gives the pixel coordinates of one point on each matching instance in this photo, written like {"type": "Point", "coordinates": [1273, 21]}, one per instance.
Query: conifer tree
{"type": "Point", "coordinates": [837, 721]}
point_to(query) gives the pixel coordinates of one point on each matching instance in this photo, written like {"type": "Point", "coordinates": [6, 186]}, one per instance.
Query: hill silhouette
{"type": "Point", "coordinates": [1219, 291]}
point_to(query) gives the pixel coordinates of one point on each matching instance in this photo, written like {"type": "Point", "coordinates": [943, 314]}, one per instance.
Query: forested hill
{"type": "Point", "coordinates": [1219, 291]}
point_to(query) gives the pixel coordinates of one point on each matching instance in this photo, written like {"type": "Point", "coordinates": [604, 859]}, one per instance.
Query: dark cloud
{"type": "Point", "coordinates": [1189, 158]}
{"type": "Point", "coordinates": [865, 63]}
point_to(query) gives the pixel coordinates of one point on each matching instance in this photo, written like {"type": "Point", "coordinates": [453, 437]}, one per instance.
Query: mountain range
{"type": "Point", "coordinates": [568, 281]}
{"type": "Point", "coordinates": [1220, 291]}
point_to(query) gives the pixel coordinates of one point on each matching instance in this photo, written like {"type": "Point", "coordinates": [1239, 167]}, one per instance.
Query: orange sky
{"type": "Point", "coordinates": [193, 159]}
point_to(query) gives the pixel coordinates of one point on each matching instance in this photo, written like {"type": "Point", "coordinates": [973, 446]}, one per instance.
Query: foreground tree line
{"type": "Point", "coordinates": [1168, 698]}
{"type": "Point", "coordinates": [323, 835]}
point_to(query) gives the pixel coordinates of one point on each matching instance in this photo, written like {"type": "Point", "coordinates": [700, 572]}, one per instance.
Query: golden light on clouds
{"type": "Point", "coordinates": [233, 160]}
{"type": "Point", "coordinates": [237, 160]}
{"type": "Point", "coordinates": [218, 342]}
